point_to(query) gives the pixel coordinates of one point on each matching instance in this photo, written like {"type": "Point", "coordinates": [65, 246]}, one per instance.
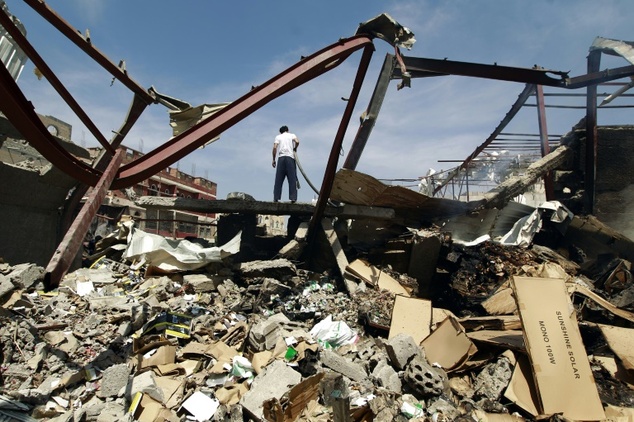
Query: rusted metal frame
{"type": "Point", "coordinates": [20, 113]}
{"type": "Point", "coordinates": [419, 67]}
{"type": "Point", "coordinates": [515, 108]}
{"type": "Point", "coordinates": [422, 67]}
{"type": "Point", "coordinates": [188, 141]}
{"type": "Point", "coordinates": [331, 167]}
{"type": "Point", "coordinates": [589, 185]}
{"type": "Point", "coordinates": [137, 107]}
{"type": "Point", "coordinates": [75, 36]}
{"type": "Point", "coordinates": [69, 247]}
{"type": "Point", "coordinates": [371, 113]}
{"type": "Point", "coordinates": [595, 77]}
{"type": "Point", "coordinates": [545, 146]}
{"type": "Point", "coordinates": [28, 49]}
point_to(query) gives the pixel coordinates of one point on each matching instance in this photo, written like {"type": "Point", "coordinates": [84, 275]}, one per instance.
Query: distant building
{"type": "Point", "coordinates": [274, 225]}
{"type": "Point", "coordinates": [170, 182]}
{"type": "Point", "coordinates": [10, 54]}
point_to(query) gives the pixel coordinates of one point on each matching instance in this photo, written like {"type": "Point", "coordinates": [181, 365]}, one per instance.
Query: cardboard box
{"type": "Point", "coordinates": [449, 345]}
{"type": "Point", "coordinates": [559, 362]}
{"type": "Point", "coordinates": [411, 316]}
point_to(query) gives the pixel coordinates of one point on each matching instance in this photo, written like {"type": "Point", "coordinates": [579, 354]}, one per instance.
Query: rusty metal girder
{"type": "Point", "coordinates": [331, 167]}
{"type": "Point", "coordinates": [188, 141]}
{"type": "Point", "coordinates": [69, 247]}
{"type": "Point", "coordinates": [419, 67]}
{"type": "Point", "coordinates": [20, 113]}
{"type": "Point", "coordinates": [84, 43]}
{"type": "Point", "coordinates": [28, 49]}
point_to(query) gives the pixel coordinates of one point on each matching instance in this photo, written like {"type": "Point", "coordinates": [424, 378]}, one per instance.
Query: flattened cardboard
{"type": "Point", "coordinates": [558, 358]}
{"type": "Point", "coordinates": [500, 322]}
{"type": "Point", "coordinates": [615, 368]}
{"type": "Point", "coordinates": [411, 316]}
{"type": "Point", "coordinates": [145, 409]}
{"type": "Point", "coordinates": [449, 345]}
{"type": "Point", "coordinates": [501, 302]}
{"type": "Point", "coordinates": [172, 390]}
{"type": "Point", "coordinates": [162, 356]}
{"type": "Point", "coordinates": [375, 277]}
{"type": "Point", "coordinates": [621, 341]}
{"type": "Point", "coordinates": [299, 397]}
{"type": "Point", "coordinates": [521, 388]}
{"type": "Point", "coordinates": [511, 339]}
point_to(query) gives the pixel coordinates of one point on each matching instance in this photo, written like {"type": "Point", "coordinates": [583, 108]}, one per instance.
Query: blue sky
{"type": "Point", "coordinates": [214, 51]}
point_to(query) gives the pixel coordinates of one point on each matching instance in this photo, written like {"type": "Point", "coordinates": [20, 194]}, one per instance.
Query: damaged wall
{"type": "Point", "coordinates": [30, 201]}
{"type": "Point", "coordinates": [614, 177]}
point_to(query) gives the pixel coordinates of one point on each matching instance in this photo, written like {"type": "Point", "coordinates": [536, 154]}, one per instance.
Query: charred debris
{"type": "Point", "coordinates": [379, 303]}
{"type": "Point", "coordinates": [417, 308]}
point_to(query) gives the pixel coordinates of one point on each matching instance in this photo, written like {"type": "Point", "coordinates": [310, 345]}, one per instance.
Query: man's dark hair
{"type": "Point", "coordinates": [284, 129]}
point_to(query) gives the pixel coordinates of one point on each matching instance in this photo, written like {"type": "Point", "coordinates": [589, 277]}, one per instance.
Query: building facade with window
{"type": "Point", "coordinates": [170, 182]}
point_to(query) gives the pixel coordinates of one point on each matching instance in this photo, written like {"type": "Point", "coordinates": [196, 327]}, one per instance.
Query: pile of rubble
{"type": "Point", "coordinates": [126, 339]}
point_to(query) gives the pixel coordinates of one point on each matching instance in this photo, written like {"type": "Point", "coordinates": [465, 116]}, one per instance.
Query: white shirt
{"type": "Point", "coordinates": [284, 142]}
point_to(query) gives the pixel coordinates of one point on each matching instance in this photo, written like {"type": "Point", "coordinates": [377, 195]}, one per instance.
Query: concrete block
{"type": "Point", "coordinates": [276, 268]}
{"type": "Point", "coordinates": [113, 380]}
{"type": "Point", "coordinates": [273, 382]}
{"type": "Point", "coordinates": [146, 383]}
{"type": "Point", "coordinates": [26, 275]}
{"type": "Point", "coordinates": [401, 349]}
{"type": "Point", "coordinates": [425, 379]}
{"type": "Point", "coordinates": [201, 282]}
{"type": "Point", "coordinates": [342, 365]}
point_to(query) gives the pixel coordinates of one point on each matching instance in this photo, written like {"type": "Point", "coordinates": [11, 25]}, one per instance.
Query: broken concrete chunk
{"type": "Point", "coordinates": [145, 383]}
{"type": "Point", "coordinates": [401, 349]}
{"type": "Point", "coordinates": [273, 382]}
{"type": "Point", "coordinates": [342, 365]}
{"type": "Point", "coordinates": [264, 335]}
{"type": "Point", "coordinates": [201, 282]}
{"type": "Point", "coordinates": [113, 380]}
{"type": "Point", "coordinates": [385, 376]}
{"type": "Point", "coordinates": [26, 276]}
{"type": "Point", "coordinates": [112, 411]}
{"type": "Point", "coordinates": [276, 268]}
{"type": "Point", "coordinates": [493, 379]}
{"type": "Point", "coordinates": [6, 286]}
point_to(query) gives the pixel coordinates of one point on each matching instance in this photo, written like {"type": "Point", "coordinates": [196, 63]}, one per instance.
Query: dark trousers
{"type": "Point", "coordinates": [285, 169]}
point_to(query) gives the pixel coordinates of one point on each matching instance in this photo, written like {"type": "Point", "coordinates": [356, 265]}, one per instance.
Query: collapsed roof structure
{"type": "Point", "coordinates": [107, 173]}
{"type": "Point", "coordinates": [435, 251]}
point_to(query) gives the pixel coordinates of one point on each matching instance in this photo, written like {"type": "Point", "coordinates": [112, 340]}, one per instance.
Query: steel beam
{"type": "Point", "coordinates": [594, 61]}
{"type": "Point", "coordinates": [369, 117]}
{"type": "Point", "coordinates": [193, 138]}
{"type": "Point", "coordinates": [37, 60]}
{"type": "Point", "coordinates": [20, 113]}
{"type": "Point", "coordinates": [67, 250]}
{"type": "Point", "coordinates": [331, 167]}
{"type": "Point", "coordinates": [84, 44]}
{"type": "Point", "coordinates": [419, 67]}
{"type": "Point", "coordinates": [545, 146]}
